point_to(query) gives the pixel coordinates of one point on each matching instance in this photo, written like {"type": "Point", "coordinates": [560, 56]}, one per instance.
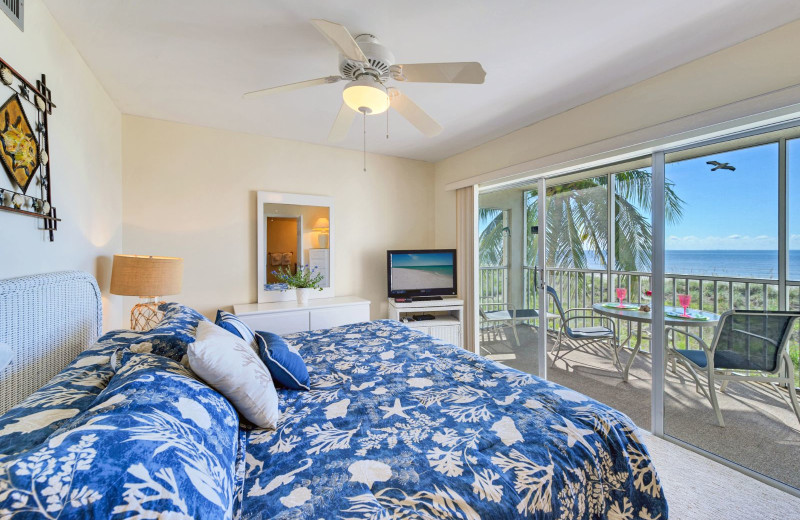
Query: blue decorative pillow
{"type": "Point", "coordinates": [157, 442]}
{"type": "Point", "coordinates": [173, 334]}
{"type": "Point", "coordinates": [234, 325]}
{"type": "Point", "coordinates": [284, 363]}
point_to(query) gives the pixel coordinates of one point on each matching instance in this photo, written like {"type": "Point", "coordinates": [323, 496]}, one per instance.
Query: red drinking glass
{"type": "Point", "coordinates": [621, 294]}
{"type": "Point", "coordinates": [685, 300]}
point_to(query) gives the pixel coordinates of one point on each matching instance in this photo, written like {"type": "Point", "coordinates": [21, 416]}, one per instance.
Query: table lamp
{"type": "Point", "coordinates": [149, 278]}
{"type": "Point", "coordinates": [322, 226]}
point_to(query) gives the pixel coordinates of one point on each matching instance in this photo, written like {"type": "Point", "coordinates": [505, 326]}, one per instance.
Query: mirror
{"type": "Point", "coordinates": [293, 230]}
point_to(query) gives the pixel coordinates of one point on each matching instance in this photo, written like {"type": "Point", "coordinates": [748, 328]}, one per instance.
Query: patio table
{"type": "Point", "coordinates": [612, 310]}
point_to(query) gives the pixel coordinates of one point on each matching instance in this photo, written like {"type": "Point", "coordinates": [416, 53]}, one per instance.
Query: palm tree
{"type": "Point", "coordinates": [491, 245]}
{"type": "Point", "coordinates": [577, 215]}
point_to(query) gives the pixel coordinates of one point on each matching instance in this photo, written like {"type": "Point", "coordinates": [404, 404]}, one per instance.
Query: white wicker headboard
{"type": "Point", "coordinates": [47, 319]}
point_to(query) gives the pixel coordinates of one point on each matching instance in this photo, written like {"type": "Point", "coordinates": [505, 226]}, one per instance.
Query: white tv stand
{"type": "Point", "coordinates": [448, 325]}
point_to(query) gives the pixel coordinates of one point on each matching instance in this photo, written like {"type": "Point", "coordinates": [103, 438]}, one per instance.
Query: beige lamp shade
{"type": "Point", "coordinates": [321, 224]}
{"type": "Point", "coordinates": [146, 276]}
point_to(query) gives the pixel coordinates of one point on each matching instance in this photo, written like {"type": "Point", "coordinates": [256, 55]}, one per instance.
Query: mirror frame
{"type": "Point", "coordinates": [272, 197]}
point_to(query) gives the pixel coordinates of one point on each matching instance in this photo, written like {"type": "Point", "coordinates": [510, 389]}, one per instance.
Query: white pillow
{"type": "Point", "coordinates": [228, 364]}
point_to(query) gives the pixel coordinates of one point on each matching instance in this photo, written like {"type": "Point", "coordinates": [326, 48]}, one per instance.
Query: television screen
{"type": "Point", "coordinates": [422, 272]}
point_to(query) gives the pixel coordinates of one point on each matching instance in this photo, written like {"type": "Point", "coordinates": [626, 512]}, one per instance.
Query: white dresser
{"type": "Point", "coordinates": [287, 317]}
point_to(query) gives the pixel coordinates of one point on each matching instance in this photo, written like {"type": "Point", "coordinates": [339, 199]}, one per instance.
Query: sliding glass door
{"type": "Point", "coordinates": [730, 250]}
{"type": "Point", "coordinates": [510, 330]}
{"type": "Point", "coordinates": [793, 248]}
{"type": "Point", "coordinates": [587, 237]}
{"type": "Point", "coordinates": [599, 244]}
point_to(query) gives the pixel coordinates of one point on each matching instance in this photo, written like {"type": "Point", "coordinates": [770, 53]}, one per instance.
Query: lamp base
{"type": "Point", "coordinates": [145, 316]}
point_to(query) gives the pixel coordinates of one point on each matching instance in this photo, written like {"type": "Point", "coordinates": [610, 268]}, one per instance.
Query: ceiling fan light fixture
{"type": "Point", "coordinates": [366, 95]}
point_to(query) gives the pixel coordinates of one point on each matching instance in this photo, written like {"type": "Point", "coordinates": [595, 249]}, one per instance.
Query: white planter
{"type": "Point", "coordinates": [302, 295]}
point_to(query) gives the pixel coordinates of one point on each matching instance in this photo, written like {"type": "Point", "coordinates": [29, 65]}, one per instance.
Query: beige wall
{"type": "Point", "coordinates": [86, 170]}
{"type": "Point", "coordinates": [757, 66]}
{"type": "Point", "coordinates": [191, 192]}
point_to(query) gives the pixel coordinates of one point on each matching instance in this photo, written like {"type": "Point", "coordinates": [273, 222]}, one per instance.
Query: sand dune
{"type": "Point", "coordinates": [409, 279]}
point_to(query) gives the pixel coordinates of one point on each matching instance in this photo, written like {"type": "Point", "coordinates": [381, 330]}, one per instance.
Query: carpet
{"type": "Point", "coordinates": [698, 488]}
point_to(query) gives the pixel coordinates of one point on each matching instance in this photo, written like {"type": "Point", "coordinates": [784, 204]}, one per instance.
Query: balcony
{"type": "Point", "coordinates": [756, 415]}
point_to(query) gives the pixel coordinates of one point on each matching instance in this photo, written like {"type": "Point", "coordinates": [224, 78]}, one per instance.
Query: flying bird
{"type": "Point", "coordinates": [720, 166]}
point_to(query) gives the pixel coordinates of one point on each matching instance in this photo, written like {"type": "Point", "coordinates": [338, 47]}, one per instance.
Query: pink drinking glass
{"type": "Point", "coordinates": [621, 294]}
{"type": "Point", "coordinates": [685, 300]}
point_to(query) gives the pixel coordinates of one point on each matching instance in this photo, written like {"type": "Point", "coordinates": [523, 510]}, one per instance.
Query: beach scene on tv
{"type": "Point", "coordinates": [422, 271]}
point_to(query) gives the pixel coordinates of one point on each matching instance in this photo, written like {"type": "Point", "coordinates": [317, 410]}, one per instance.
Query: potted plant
{"type": "Point", "coordinates": [303, 281]}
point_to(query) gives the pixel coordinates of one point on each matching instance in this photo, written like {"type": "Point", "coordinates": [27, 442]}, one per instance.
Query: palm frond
{"type": "Point", "coordinates": [633, 238]}
{"type": "Point", "coordinates": [577, 221]}
{"type": "Point", "coordinates": [635, 185]}
{"type": "Point", "coordinates": [490, 244]}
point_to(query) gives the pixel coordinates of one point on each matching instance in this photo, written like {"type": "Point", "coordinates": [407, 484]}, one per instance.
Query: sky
{"type": "Point", "coordinates": [422, 259]}
{"type": "Point", "coordinates": [734, 209]}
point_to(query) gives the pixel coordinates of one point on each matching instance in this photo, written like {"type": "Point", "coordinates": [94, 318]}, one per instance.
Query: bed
{"type": "Point", "coordinates": [397, 424]}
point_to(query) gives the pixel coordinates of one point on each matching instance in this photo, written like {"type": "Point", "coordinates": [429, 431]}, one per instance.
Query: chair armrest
{"type": "Point", "coordinates": [606, 319]}
{"type": "Point", "coordinates": [758, 336]}
{"type": "Point", "coordinates": [566, 313]}
{"type": "Point", "coordinates": [492, 304]}
{"type": "Point", "coordinates": [588, 316]}
{"type": "Point", "coordinates": [702, 343]}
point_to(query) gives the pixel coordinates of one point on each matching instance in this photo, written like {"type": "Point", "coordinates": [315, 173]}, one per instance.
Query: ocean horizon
{"type": "Point", "coordinates": [733, 263]}
{"type": "Point", "coordinates": [440, 269]}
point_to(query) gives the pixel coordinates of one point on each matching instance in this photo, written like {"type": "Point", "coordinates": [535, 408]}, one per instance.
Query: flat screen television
{"type": "Point", "coordinates": [421, 272]}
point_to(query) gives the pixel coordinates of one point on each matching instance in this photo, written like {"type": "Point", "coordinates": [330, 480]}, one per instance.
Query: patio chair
{"type": "Point", "coordinates": [754, 341]}
{"type": "Point", "coordinates": [583, 336]}
{"type": "Point", "coordinates": [504, 314]}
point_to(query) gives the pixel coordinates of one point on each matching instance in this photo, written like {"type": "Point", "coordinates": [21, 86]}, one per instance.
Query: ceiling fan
{"type": "Point", "coordinates": [367, 66]}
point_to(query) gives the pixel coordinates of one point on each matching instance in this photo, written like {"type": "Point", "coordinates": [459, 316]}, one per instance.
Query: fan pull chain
{"type": "Point", "coordinates": [365, 140]}
{"type": "Point", "coordinates": [387, 124]}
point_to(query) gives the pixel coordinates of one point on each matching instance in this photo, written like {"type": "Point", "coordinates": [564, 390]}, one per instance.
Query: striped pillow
{"type": "Point", "coordinates": [237, 327]}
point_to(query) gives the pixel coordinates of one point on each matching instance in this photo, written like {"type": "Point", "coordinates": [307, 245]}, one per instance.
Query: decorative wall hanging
{"type": "Point", "coordinates": [25, 148]}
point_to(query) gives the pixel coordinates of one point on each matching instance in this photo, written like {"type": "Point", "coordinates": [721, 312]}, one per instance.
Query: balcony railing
{"type": "Point", "coordinates": [585, 287]}
{"type": "Point", "coordinates": [493, 283]}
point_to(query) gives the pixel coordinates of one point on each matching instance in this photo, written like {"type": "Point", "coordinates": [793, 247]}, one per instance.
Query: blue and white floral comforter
{"type": "Point", "coordinates": [400, 425]}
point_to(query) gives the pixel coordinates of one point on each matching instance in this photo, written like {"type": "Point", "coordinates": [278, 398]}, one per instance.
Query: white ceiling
{"type": "Point", "coordinates": [190, 60]}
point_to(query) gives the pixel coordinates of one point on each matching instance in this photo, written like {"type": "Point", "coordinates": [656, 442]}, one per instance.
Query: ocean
{"type": "Point", "coordinates": [733, 263]}
{"type": "Point", "coordinates": [725, 263]}
{"type": "Point", "coordinates": [439, 269]}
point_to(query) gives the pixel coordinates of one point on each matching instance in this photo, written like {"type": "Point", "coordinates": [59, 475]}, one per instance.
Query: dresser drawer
{"type": "Point", "coordinates": [288, 317]}
{"type": "Point", "coordinates": [279, 322]}
{"type": "Point", "coordinates": [337, 316]}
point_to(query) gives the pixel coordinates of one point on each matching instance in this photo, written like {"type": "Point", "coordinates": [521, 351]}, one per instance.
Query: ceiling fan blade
{"type": "Point", "coordinates": [339, 36]}
{"type": "Point", "coordinates": [292, 86]}
{"type": "Point", "coordinates": [458, 72]}
{"type": "Point", "coordinates": [340, 128]}
{"type": "Point", "coordinates": [414, 114]}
